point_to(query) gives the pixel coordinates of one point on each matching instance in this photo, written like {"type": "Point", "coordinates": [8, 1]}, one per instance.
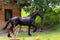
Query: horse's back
{"type": "Point", "coordinates": [14, 17]}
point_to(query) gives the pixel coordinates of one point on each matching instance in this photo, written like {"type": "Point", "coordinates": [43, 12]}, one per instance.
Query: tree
{"type": "Point", "coordinates": [42, 5]}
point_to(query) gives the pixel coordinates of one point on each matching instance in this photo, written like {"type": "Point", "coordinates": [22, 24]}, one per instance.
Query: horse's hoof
{"type": "Point", "coordinates": [9, 35]}
{"type": "Point", "coordinates": [29, 34]}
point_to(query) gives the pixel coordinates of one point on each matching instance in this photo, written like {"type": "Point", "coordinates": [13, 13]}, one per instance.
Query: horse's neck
{"type": "Point", "coordinates": [34, 15]}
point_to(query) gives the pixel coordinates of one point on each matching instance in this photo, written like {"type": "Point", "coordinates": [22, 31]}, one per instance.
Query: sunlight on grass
{"type": "Point", "coordinates": [38, 35]}
{"type": "Point", "coordinates": [4, 38]}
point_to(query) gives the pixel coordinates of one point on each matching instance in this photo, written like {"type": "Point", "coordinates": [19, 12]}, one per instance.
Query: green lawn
{"type": "Point", "coordinates": [53, 35]}
{"type": "Point", "coordinates": [41, 36]}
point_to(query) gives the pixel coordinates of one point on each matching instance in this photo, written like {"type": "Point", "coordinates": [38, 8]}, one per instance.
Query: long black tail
{"type": "Point", "coordinates": [7, 23]}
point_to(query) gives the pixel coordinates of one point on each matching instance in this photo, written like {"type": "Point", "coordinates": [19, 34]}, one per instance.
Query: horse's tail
{"type": "Point", "coordinates": [7, 23]}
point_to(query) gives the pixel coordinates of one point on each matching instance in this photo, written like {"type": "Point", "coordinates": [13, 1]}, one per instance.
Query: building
{"type": "Point", "coordinates": [8, 11]}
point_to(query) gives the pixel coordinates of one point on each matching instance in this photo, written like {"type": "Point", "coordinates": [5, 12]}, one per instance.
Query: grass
{"type": "Point", "coordinates": [41, 36]}
{"type": "Point", "coordinates": [53, 35]}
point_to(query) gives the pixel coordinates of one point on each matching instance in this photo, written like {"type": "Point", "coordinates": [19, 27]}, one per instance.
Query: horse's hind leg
{"type": "Point", "coordinates": [35, 27]}
{"type": "Point", "coordinates": [9, 34]}
{"type": "Point", "coordinates": [11, 30]}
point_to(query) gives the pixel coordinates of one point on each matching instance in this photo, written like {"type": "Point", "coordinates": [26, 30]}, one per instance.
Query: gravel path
{"type": "Point", "coordinates": [2, 33]}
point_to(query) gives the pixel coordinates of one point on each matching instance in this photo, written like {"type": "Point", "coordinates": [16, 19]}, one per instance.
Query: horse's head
{"type": "Point", "coordinates": [39, 13]}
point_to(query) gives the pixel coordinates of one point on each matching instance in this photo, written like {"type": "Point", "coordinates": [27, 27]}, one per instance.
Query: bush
{"type": "Point", "coordinates": [50, 20]}
{"type": "Point", "coordinates": [38, 21]}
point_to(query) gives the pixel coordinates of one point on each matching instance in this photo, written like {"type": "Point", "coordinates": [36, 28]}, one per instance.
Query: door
{"type": "Point", "coordinates": [8, 14]}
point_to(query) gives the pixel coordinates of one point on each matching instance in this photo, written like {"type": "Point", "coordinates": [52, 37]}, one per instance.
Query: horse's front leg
{"type": "Point", "coordinates": [29, 30]}
{"type": "Point", "coordinates": [35, 27]}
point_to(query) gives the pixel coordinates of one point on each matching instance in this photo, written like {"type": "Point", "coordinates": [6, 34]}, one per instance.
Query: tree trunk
{"type": "Point", "coordinates": [20, 16]}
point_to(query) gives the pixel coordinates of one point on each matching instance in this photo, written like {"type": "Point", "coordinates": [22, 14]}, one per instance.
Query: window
{"type": "Point", "coordinates": [8, 14]}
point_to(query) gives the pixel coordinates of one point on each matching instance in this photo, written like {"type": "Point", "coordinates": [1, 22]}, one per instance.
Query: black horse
{"type": "Point", "coordinates": [29, 21]}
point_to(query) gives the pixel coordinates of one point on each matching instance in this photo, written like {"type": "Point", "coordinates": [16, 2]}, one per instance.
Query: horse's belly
{"type": "Point", "coordinates": [24, 23]}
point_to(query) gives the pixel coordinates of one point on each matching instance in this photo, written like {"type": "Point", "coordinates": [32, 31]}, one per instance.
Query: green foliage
{"type": "Point", "coordinates": [51, 18]}
{"type": "Point", "coordinates": [57, 28]}
{"type": "Point", "coordinates": [38, 20]}
{"type": "Point", "coordinates": [7, 1]}
{"type": "Point", "coordinates": [43, 5]}
{"type": "Point", "coordinates": [36, 4]}
{"type": "Point", "coordinates": [24, 14]}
